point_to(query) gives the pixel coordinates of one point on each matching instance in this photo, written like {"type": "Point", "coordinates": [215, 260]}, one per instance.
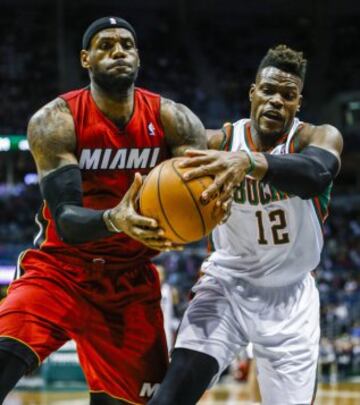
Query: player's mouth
{"type": "Point", "coordinates": [272, 116]}
{"type": "Point", "coordinates": [119, 65]}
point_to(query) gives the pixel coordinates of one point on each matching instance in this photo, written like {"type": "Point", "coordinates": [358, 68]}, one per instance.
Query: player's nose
{"type": "Point", "coordinates": [276, 100]}
{"type": "Point", "coordinates": [118, 51]}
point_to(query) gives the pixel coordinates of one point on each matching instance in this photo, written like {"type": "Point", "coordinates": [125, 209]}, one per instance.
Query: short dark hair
{"type": "Point", "coordinates": [286, 59]}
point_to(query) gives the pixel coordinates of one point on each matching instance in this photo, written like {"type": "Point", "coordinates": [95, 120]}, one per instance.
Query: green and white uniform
{"type": "Point", "coordinates": [257, 285]}
{"type": "Point", "coordinates": [269, 233]}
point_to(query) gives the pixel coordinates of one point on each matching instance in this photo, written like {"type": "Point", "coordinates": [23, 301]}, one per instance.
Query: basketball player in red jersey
{"type": "Point", "coordinates": [89, 277]}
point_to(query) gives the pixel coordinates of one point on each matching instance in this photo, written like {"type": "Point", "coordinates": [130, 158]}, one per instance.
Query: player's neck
{"type": "Point", "coordinates": [264, 142]}
{"type": "Point", "coordinates": [118, 108]}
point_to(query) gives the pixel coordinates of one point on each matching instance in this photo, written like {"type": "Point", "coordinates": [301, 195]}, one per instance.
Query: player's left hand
{"type": "Point", "coordinates": [227, 168]}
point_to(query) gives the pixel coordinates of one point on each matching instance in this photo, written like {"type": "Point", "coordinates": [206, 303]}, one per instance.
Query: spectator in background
{"type": "Point", "coordinates": [327, 360]}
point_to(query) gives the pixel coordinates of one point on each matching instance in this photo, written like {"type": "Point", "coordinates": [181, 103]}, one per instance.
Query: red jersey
{"type": "Point", "coordinates": [108, 158]}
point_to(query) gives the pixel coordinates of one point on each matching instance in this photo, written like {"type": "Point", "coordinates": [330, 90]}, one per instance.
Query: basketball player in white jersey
{"type": "Point", "coordinates": [257, 285]}
{"type": "Point", "coordinates": [167, 306]}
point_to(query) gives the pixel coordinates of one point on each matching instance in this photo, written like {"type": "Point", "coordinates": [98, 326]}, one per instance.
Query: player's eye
{"type": "Point", "coordinates": [128, 44]}
{"type": "Point", "coordinates": [105, 45]}
{"type": "Point", "coordinates": [267, 90]}
{"type": "Point", "coordinates": [290, 96]}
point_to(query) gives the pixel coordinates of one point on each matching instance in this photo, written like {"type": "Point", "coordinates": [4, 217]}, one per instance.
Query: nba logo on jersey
{"type": "Point", "coordinates": [112, 20]}
{"type": "Point", "coordinates": [151, 129]}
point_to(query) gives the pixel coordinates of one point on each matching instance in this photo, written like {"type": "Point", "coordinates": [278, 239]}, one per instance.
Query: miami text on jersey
{"type": "Point", "coordinates": [113, 159]}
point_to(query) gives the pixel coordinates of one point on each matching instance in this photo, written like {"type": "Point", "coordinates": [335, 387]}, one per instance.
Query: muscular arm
{"type": "Point", "coordinates": [325, 136]}
{"type": "Point", "coordinates": [52, 141]}
{"type": "Point", "coordinates": [183, 129]}
{"type": "Point", "coordinates": [51, 136]}
{"type": "Point", "coordinates": [309, 170]}
{"type": "Point", "coordinates": [305, 173]}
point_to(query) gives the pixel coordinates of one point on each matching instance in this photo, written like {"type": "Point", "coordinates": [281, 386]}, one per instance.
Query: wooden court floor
{"type": "Point", "coordinates": [222, 394]}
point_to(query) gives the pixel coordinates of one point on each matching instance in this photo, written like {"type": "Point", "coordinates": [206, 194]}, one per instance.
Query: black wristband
{"type": "Point", "coordinates": [305, 174]}
{"type": "Point", "coordinates": [62, 190]}
{"type": "Point", "coordinates": [62, 186]}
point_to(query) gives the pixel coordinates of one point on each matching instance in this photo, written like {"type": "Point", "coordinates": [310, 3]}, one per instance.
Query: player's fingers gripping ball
{"type": "Point", "coordinates": [175, 203]}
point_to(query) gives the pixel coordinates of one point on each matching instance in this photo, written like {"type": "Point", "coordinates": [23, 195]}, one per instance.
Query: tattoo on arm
{"type": "Point", "coordinates": [183, 128]}
{"type": "Point", "coordinates": [215, 138]}
{"type": "Point", "coordinates": [51, 136]}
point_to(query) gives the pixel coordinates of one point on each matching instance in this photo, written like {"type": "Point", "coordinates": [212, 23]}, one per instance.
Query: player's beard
{"type": "Point", "coordinates": [115, 86]}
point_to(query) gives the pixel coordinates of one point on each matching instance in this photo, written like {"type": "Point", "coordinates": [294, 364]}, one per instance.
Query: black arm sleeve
{"type": "Point", "coordinates": [305, 174]}
{"type": "Point", "coordinates": [62, 191]}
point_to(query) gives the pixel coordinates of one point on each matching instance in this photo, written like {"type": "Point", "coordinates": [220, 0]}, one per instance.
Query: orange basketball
{"type": "Point", "coordinates": [175, 203]}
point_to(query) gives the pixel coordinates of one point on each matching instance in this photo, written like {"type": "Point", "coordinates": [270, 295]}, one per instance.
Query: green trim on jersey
{"type": "Point", "coordinates": [231, 140]}
{"type": "Point", "coordinates": [321, 204]}
{"type": "Point", "coordinates": [211, 247]}
{"type": "Point", "coordinates": [325, 199]}
{"type": "Point", "coordinates": [317, 211]}
{"type": "Point", "coordinates": [245, 138]}
{"type": "Point", "coordinates": [226, 143]}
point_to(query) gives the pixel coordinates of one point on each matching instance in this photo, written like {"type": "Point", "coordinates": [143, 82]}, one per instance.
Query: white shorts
{"type": "Point", "coordinates": [247, 353]}
{"type": "Point", "coordinates": [281, 322]}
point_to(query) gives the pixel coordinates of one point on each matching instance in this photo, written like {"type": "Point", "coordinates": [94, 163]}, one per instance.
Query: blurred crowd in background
{"type": "Point", "coordinates": [205, 58]}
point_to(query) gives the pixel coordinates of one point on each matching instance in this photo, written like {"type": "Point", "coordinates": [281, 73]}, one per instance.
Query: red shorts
{"type": "Point", "coordinates": [113, 315]}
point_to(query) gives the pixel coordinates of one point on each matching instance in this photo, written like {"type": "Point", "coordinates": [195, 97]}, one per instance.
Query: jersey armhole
{"type": "Point", "coordinates": [227, 130]}
{"type": "Point", "coordinates": [76, 132]}
{"type": "Point", "coordinates": [294, 141]}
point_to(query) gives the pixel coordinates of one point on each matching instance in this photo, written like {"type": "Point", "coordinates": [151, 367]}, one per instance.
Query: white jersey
{"type": "Point", "coordinates": [168, 313]}
{"type": "Point", "coordinates": [271, 238]}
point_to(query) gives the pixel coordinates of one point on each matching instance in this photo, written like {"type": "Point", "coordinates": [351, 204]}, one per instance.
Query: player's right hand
{"type": "Point", "coordinates": [227, 168]}
{"type": "Point", "coordinates": [144, 229]}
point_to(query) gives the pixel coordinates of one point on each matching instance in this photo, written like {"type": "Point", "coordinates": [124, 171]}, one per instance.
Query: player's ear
{"type": "Point", "coordinates": [84, 59]}
{"type": "Point", "coordinates": [251, 91]}
{"type": "Point", "coordinates": [139, 61]}
{"type": "Point", "coordinates": [300, 103]}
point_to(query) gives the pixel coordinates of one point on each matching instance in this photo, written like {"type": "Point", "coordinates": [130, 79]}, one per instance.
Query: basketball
{"type": "Point", "coordinates": [175, 203]}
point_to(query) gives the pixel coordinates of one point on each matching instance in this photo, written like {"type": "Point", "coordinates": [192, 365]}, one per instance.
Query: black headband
{"type": "Point", "coordinates": [103, 23]}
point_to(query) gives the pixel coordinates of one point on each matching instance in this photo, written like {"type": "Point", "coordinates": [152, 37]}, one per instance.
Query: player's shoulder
{"type": "Point", "coordinates": [307, 133]}
{"type": "Point", "coordinates": [53, 108]}
{"type": "Point", "coordinates": [72, 94]}
{"type": "Point", "coordinates": [221, 138]}
{"type": "Point", "coordinates": [218, 138]}
{"type": "Point", "coordinates": [146, 93]}
{"type": "Point", "coordinates": [307, 128]}
{"type": "Point", "coordinates": [50, 121]}
{"type": "Point", "coordinates": [148, 100]}
{"type": "Point", "coordinates": [173, 111]}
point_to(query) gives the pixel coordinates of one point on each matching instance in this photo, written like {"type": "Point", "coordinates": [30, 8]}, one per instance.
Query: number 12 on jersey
{"type": "Point", "coordinates": [276, 220]}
